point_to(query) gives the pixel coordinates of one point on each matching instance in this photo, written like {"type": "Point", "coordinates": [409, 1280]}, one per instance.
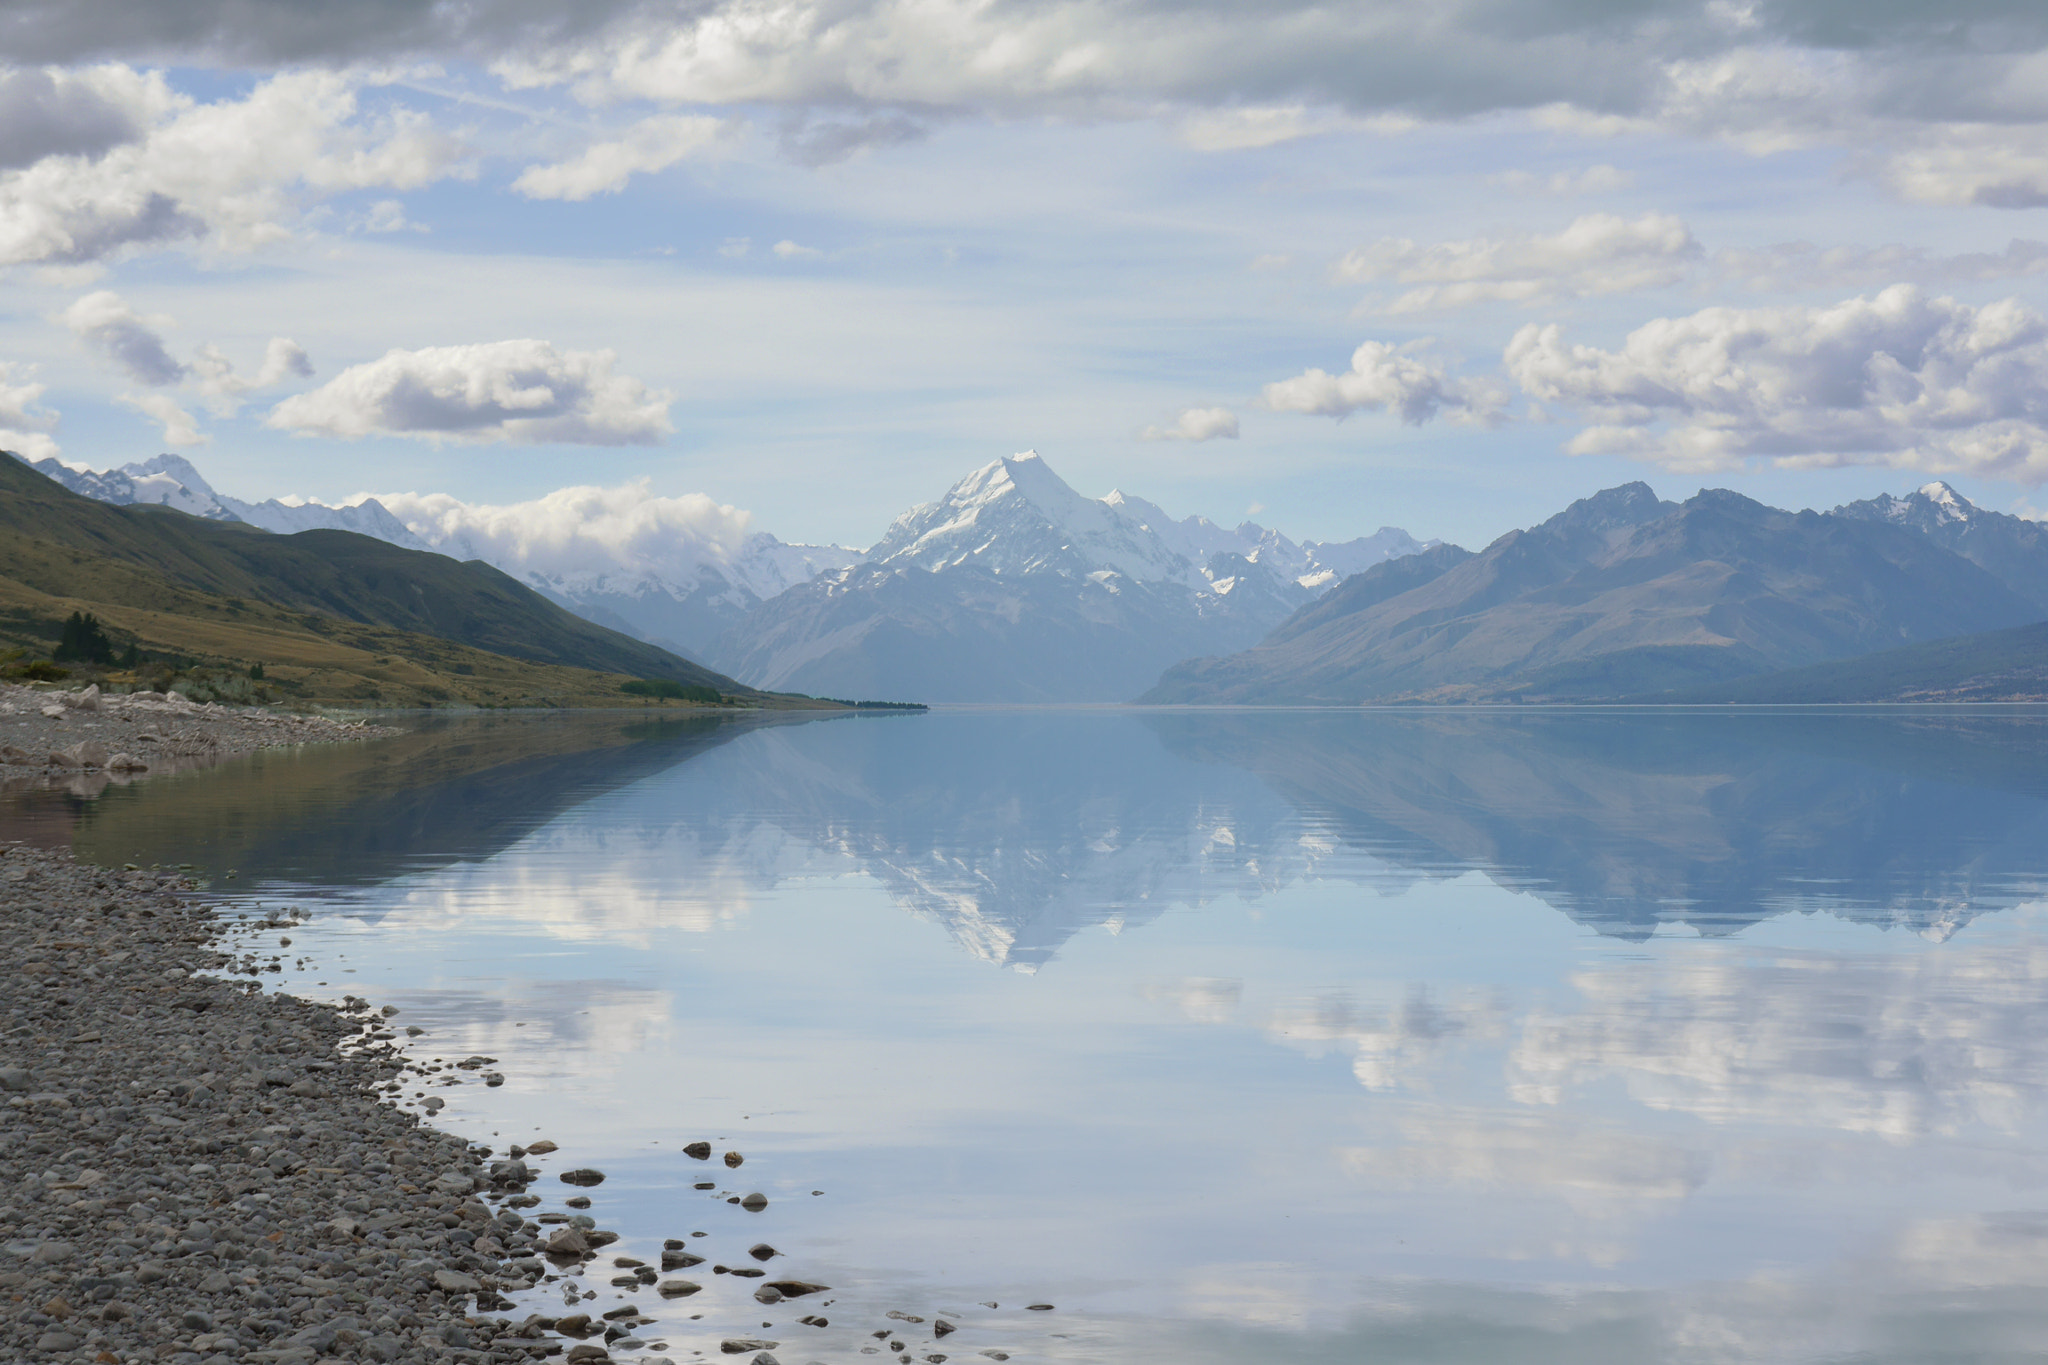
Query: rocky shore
{"type": "Point", "coordinates": [66, 733]}
{"type": "Point", "coordinates": [198, 1172]}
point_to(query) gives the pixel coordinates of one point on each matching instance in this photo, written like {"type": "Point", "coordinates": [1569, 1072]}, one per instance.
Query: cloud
{"type": "Point", "coordinates": [1196, 424]}
{"type": "Point", "coordinates": [74, 113]}
{"type": "Point", "coordinates": [821, 141]}
{"type": "Point", "coordinates": [232, 174]}
{"type": "Point", "coordinates": [1999, 166]}
{"type": "Point", "coordinates": [1596, 254]}
{"type": "Point", "coordinates": [388, 215]}
{"type": "Point", "coordinates": [25, 425]}
{"type": "Point", "coordinates": [104, 321]}
{"type": "Point", "coordinates": [214, 375]}
{"type": "Point", "coordinates": [653, 144]}
{"type": "Point", "coordinates": [1243, 129]}
{"type": "Point", "coordinates": [179, 428]}
{"type": "Point", "coordinates": [1600, 179]}
{"type": "Point", "coordinates": [1398, 1045]}
{"type": "Point", "coordinates": [1901, 1047]}
{"type": "Point", "coordinates": [790, 251]}
{"type": "Point", "coordinates": [1897, 380]}
{"type": "Point", "coordinates": [521, 392]}
{"type": "Point", "coordinates": [1793, 267]}
{"type": "Point", "coordinates": [579, 531]}
{"type": "Point", "coordinates": [1383, 376]}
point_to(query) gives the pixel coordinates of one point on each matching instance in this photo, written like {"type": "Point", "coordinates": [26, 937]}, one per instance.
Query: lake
{"type": "Point", "coordinates": [1417, 1036]}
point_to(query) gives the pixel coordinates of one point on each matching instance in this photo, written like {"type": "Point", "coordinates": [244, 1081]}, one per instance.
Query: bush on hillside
{"type": "Point", "coordinates": [668, 689]}
{"type": "Point", "coordinates": [83, 641]}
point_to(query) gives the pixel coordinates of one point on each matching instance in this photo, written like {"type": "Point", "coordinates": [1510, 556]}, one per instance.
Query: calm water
{"type": "Point", "coordinates": [1419, 1037]}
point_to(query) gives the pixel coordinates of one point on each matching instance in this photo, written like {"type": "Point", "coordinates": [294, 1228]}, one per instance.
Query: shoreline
{"type": "Point", "coordinates": [83, 734]}
{"type": "Point", "coordinates": [201, 1172]}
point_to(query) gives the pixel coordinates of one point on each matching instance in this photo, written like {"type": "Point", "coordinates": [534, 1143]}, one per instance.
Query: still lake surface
{"type": "Point", "coordinates": [1237, 1036]}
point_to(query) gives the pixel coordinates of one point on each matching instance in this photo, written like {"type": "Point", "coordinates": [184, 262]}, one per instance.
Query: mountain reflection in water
{"type": "Point", "coordinates": [1441, 1037]}
{"type": "Point", "coordinates": [1016, 835]}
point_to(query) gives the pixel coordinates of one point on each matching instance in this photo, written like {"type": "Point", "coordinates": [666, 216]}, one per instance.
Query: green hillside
{"type": "Point", "coordinates": [1995, 666]}
{"type": "Point", "coordinates": [58, 543]}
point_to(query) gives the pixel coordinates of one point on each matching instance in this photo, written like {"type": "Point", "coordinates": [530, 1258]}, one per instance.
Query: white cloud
{"type": "Point", "coordinates": [1196, 424]}
{"type": "Point", "coordinates": [1596, 254]}
{"type": "Point", "coordinates": [735, 247]}
{"type": "Point", "coordinates": [1600, 179]}
{"type": "Point", "coordinates": [522, 392]}
{"type": "Point", "coordinates": [790, 251]}
{"type": "Point", "coordinates": [581, 531]}
{"type": "Point", "coordinates": [179, 427]}
{"type": "Point", "coordinates": [1897, 380]}
{"type": "Point", "coordinates": [214, 374]}
{"type": "Point", "coordinates": [1244, 128]}
{"type": "Point", "coordinates": [1995, 165]}
{"type": "Point", "coordinates": [388, 215]}
{"type": "Point", "coordinates": [104, 321]}
{"type": "Point", "coordinates": [653, 144]}
{"type": "Point", "coordinates": [1899, 1046]}
{"type": "Point", "coordinates": [25, 424]}
{"type": "Point", "coordinates": [1794, 267]}
{"type": "Point", "coordinates": [233, 174]}
{"type": "Point", "coordinates": [1404, 379]}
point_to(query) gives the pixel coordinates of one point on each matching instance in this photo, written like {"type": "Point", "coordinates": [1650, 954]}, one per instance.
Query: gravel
{"type": "Point", "coordinates": [197, 1172]}
{"type": "Point", "coordinates": [82, 736]}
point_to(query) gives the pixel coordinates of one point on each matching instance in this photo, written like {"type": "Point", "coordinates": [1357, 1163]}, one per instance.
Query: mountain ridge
{"type": "Point", "coordinates": [1622, 594]}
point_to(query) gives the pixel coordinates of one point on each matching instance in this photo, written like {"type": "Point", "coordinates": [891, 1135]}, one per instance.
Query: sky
{"type": "Point", "coordinates": [1329, 266]}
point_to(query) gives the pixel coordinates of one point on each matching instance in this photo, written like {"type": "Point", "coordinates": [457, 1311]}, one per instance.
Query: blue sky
{"type": "Point", "coordinates": [1790, 250]}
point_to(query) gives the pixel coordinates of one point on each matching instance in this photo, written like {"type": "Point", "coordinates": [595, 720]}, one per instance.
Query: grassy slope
{"type": "Point", "coordinates": [1999, 665]}
{"type": "Point", "coordinates": [61, 544]}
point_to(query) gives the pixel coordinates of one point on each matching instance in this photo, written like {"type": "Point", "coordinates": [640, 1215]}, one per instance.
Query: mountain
{"type": "Point", "coordinates": [1014, 587]}
{"type": "Point", "coordinates": [171, 481]}
{"type": "Point", "coordinates": [1997, 666]}
{"type": "Point", "coordinates": [2010, 549]}
{"type": "Point", "coordinates": [1620, 594]}
{"type": "Point", "coordinates": [155, 559]}
{"type": "Point", "coordinates": [683, 597]}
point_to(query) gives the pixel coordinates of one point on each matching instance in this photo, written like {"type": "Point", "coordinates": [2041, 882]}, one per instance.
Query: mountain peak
{"type": "Point", "coordinates": [1949, 504]}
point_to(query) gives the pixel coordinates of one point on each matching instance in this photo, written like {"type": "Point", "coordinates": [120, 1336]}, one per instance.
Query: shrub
{"type": "Point", "coordinates": [83, 641]}
{"type": "Point", "coordinates": [668, 689]}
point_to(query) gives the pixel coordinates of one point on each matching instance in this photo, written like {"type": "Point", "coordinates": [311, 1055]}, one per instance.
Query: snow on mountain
{"type": "Point", "coordinates": [171, 481]}
{"type": "Point", "coordinates": [1008, 554]}
{"type": "Point", "coordinates": [1017, 516]}
{"type": "Point", "coordinates": [166, 481]}
{"type": "Point", "coordinates": [1014, 587]}
{"type": "Point", "coordinates": [2012, 548]}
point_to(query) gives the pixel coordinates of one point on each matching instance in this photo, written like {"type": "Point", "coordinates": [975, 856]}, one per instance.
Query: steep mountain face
{"type": "Point", "coordinates": [1014, 587]}
{"type": "Point", "coordinates": [2010, 549]}
{"type": "Point", "coordinates": [1618, 595]}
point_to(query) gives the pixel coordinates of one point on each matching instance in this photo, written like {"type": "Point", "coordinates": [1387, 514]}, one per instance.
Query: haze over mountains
{"type": "Point", "coordinates": [1010, 587]}
{"type": "Point", "coordinates": [1013, 587]}
{"type": "Point", "coordinates": [1626, 596]}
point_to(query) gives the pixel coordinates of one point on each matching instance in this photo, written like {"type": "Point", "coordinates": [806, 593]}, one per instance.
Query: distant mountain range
{"type": "Point", "coordinates": [1014, 587]}
{"type": "Point", "coordinates": [1010, 587]}
{"type": "Point", "coordinates": [332, 615]}
{"type": "Point", "coordinates": [1626, 596]}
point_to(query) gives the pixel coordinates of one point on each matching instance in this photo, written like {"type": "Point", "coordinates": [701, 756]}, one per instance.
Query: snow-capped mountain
{"type": "Point", "coordinates": [680, 583]}
{"type": "Point", "coordinates": [171, 481]}
{"type": "Point", "coordinates": [2012, 549]}
{"type": "Point", "coordinates": [1014, 587]}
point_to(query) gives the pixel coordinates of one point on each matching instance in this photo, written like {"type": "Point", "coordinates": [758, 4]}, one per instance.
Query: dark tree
{"type": "Point", "coordinates": [83, 641]}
